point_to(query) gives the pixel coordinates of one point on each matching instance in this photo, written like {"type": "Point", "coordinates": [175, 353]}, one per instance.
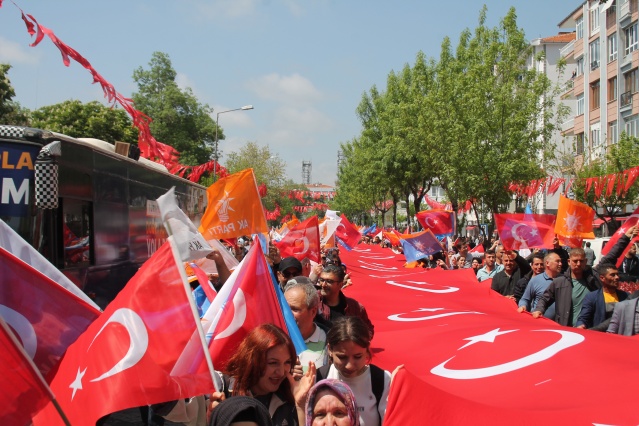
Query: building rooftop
{"type": "Point", "coordinates": [560, 38]}
{"type": "Point", "coordinates": [319, 186]}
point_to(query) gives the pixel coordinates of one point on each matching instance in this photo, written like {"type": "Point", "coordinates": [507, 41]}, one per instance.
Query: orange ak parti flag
{"type": "Point", "coordinates": [574, 219]}
{"type": "Point", "coordinates": [235, 208]}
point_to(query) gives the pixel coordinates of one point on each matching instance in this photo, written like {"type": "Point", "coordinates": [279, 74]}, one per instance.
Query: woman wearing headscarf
{"type": "Point", "coordinates": [331, 403]}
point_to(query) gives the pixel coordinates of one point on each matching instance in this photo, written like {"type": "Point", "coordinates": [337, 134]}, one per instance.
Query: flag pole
{"type": "Point", "coordinates": [196, 316]}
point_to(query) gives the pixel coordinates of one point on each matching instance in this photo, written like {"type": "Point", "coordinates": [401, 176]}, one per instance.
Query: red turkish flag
{"type": "Point", "coordinates": [521, 231]}
{"type": "Point", "coordinates": [128, 356]}
{"type": "Point", "coordinates": [347, 233]}
{"type": "Point", "coordinates": [456, 338]}
{"type": "Point", "coordinates": [629, 223]}
{"type": "Point", "coordinates": [45, 316]}
{"type": "Point", "coordinates": [440, 222]}
{"type": "Point", "coordinates": [23, 391]}
{"type": "Point", "coordinates": [302, 241]}
{"type": "Point", "coordinates": [246, 300]}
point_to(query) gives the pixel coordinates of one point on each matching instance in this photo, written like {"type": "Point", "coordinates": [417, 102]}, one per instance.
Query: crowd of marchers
{"type": "Point", "coordinates": [265, 382]}
{"type": "Point", "coordinates": [333, 382]}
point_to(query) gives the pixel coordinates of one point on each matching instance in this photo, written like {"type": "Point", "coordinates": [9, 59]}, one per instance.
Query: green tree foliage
{"type": "Point", "coordinates": [472, 121]}
{"type": "Point", "coordinates": [90, 120]}
{"type": "Point", "coordinates": [179, 119]}
{"type": "Point", "coordinates": [10, 111]}
{"type": "Point", "coordinates": [620, 156]}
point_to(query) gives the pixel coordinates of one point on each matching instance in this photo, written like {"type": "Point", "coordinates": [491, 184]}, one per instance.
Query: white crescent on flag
{"type": "Point", "coordinates": [567, 340]}
{"type": "Point", "coordinates": [139, 340]}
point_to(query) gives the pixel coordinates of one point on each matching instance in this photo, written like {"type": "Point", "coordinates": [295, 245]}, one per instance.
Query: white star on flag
{"type": "Point", "coordinates": [77, 383]}
{"type": "Point", "coordinates": [486, 337]}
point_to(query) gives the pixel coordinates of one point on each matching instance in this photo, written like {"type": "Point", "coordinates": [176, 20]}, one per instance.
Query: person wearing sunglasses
{"type": "Point", "coordinates": [333, 302]}
{"type": "Point", "coordinates": [288, 268]}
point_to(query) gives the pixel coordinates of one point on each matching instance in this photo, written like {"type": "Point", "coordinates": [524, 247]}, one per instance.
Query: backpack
{"type": "Point", "coordinates": [377, 379]}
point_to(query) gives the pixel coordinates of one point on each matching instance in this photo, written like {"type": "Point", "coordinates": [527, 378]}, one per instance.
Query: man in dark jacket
{"type": "Point", "coordinates": [629, 269]}
{"type": "Point", "coordinates": [568, 291]}
{"type": "Point", "coordinates": [599, 305]}
{"type": "Point", "coordinates": [504, 281]}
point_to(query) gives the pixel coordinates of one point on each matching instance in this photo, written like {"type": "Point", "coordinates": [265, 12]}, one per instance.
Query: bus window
{"type": "Point", "coordinates": [76, 217]}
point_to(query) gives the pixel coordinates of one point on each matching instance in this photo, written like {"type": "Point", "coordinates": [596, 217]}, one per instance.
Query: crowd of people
{"type": "Point", "coordinates": [334, 382]}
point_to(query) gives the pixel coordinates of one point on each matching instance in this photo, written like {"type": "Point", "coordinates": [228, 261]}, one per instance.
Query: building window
{"type": "Point", "coordinates": [612, 47]}
{"type": "Point", "coordinates": [580, 66]}
{"type": "Point", "coordinates": [632, 126]}
{"type": "Point", "coordinates": [595, 135]}
{"type": "Point", "coordinates": [579, 144]}
{"type": "Point", "coordinates": [612, 89]}
{"type": "Point", "coordinates": [580, 27]}
{"type": "Point", "coordinates": [613, 132]}
{"type": "Point", "coordinates": [595, 91]}
{"type": "Point", "coordinates": [580, 104]}
{"type": "Point", "coordinates": [594, 19]}
{"type": "Point", "coordinates": [594, 54]}
{"type": "Point", "coordinates": [631, 81]}
{"type": "Point", "coordinates": [631, 42]}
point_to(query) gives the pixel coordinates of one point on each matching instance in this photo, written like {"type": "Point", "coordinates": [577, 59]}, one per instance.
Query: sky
{"type": "Point", "coordinates": [303, 65]}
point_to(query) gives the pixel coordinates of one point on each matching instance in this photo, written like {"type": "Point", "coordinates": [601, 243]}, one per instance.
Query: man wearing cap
{"type": "Point", "coordinates": [289, 267]}
{"type": "Point", "coordinates": [303, 300]}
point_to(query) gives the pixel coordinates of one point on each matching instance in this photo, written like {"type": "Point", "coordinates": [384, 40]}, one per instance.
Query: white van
{"type": "Point", "coordinates": [597, 244]}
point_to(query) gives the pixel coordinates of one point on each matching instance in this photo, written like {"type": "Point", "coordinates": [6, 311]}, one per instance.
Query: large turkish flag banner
{"type": "Point", "coordinates": [471, 358]}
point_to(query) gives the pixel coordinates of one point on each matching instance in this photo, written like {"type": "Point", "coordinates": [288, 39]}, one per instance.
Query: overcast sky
{"type": "Point", "coordinates": [303, 65]}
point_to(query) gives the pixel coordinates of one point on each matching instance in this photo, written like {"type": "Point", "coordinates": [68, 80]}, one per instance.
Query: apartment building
{"type": "Point", "coordinates": [606, 80]}
{"type": "Point", "coordinates": [553, 48]}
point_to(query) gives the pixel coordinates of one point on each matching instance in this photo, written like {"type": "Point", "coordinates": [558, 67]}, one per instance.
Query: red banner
{"type": "Point", "coordinates": [471, 358]}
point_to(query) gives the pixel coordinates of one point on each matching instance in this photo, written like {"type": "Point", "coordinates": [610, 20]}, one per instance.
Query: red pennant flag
{"type": "Point", "coordinates": [348, 233]}
{"type": "Point", "coordinates": [572, 242]}
{"type": "Point", "coordinates": [23, 391]}
{"type": "Point", "coordinates": [302, 241]}
{"type": "Point", "coordinates": [440, 222]}
{"type": "Point", "coordinates": [254, 302]}
{"type": "Point", "coordinates": [130, 352]}
{"type": "Point", "coordinates": [574, 219]}
{"type": "Point", "coordinates": [554, 186]}
{"type": "Point", "coordinates": [521, 231]}
{"type": "Point", "coordinates": [46, 317]}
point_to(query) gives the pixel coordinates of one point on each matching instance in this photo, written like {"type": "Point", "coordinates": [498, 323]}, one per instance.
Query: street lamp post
{"type": "Point", "coordinates": [217, 125]}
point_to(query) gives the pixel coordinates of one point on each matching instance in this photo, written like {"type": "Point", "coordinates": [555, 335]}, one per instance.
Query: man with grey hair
{"type": "Point", "coordinates": [303, 299]}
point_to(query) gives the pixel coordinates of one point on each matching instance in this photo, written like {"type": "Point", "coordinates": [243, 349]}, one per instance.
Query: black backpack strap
{"type": "Point", "coordinates": [377, 382]}
{"type": "Point", "coordinates": [322, 372]}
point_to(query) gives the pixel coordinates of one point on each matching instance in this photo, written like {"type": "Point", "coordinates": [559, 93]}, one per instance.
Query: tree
{"type": "Point", "coordinates": [90, 120]}
{"type": "Point", "coordinates": [179, 119]}
{"type": "Point", "coordinates": [494, 115]}
{"type": "Point", "coordinates": [620, 156]}
{"type": "Point", "coordinates": [10, 112]}
{"type": "Point", "coordinates": [268, 169]}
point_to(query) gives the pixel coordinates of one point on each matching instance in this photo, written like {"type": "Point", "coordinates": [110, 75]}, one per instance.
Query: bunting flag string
{"type": "Point", "coordinates": [150, 148]}
{"type": "Point", "coordinates": [602, 186]}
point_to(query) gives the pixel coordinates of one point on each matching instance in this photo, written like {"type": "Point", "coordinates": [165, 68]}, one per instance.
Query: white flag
{"type": "Point", "coordinates": [188, 240]}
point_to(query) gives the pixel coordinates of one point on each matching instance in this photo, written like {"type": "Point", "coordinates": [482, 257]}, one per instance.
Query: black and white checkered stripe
{"type": "Point", "coordinates": [14, 132]}
{"type": "Point", "coordinates": [46, 176]}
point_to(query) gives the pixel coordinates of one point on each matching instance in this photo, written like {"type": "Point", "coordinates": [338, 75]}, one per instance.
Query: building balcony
{"type": "Point", "coordinates": [568, 127]}
{"type": "Point", "coordinates": [567, 91]}
{"type": "Point", "coordinates": [624, 12]}
{"type": "Point", "coordinates": [567, 52]}
{"type": "Point", "coordinates": [625, 101]}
